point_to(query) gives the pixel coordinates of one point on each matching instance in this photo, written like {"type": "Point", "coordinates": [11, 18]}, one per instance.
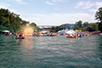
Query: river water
{"type": "Point", "coordinates": [51, 52]}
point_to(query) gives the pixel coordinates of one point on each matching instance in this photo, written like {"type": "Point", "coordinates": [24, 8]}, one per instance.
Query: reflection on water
{"type": "Point", "coordinates": [51, 52]}
{"type": "Point", "coordinates": [27, 43]}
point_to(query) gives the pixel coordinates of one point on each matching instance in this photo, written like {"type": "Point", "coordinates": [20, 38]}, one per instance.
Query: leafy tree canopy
{"type": "Point", "coordinates": [99, 18]}
{"type": "Point", "coordinates": [11, 21]}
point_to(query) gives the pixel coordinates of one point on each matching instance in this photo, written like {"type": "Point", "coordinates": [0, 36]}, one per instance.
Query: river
{"type": "Point", "coordinates": [51, 52]}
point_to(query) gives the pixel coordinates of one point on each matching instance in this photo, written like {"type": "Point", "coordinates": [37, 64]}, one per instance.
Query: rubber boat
{"type": "Point", "coordinates": [71, 36]}
{"type": "Point", "coordinates": [19, 37]}
{"type": "Point", "coordinates": [100, 34]}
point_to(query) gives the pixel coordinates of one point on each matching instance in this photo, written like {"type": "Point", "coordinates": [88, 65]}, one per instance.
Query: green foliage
{"type": "Point", "coordinates": [92, 27]}
{"type": "Point", "coordinates": [3, 28]}
{"type": "Point", "coordinates": [56, 29]}
{"type": "Point", "coordinates": [33, 24]}
{"type": "Point", "coordinates": [23, 22]}
{"type": "Point", "coordinates": [85, 24]}
{"type": "Point", "coordinates": [100, 26]}
{"type": "Point", "coordinates": [99, 14]}
{"type": "Point", "coordinates": [76, 28]}
{"type": "Point", "coordinates": [99, 18]}
{"type": "Point", "coordinates": [84, 29]}
{"type": "Point", "coordinates": [53, 29]}
{"type": "Point", "coordinates": [11, 21]}
{"type": "Point", "coordinates": [79, 23]}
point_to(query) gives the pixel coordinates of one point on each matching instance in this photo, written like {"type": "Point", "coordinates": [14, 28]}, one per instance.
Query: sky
{"type": "Point", "coordinates": [54, 12]}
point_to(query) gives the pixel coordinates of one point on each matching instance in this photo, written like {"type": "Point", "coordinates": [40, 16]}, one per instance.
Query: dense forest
{"type": "Point", "coordinates": [11, 21]}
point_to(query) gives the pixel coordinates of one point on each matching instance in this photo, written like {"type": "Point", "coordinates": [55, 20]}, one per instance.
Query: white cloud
{"type": "Point", "coordinates": [84, 5]}
{"type": "Point", "coordinates": [4, 5]}
{"type": "Point", "coordinates": [58, 19]}
{"type": "Point", "coordinates": [88, 5]}
{"type": "Point", "coordinates": [57, 0]}
{"type": "Point", "coordinates": [19, 1]}
{"type": "Point", "coordinates": [91, 6]}
{"type": "Point", "coordinates": [93, 10]}
{"type": "Point", "coordinates": [49, 3]}
{"type": "Point", "coordinates": [53, 1]}
{"type": "Point", "coordinates": [79, 4]}
{"type": "Point", "coordinates": [98, 4]}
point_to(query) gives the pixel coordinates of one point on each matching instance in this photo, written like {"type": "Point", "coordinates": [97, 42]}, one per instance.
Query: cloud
{"type": "Point", "coordinates": [58, 19]}
{"type": "Point", "coordinates": [98, 4]}
{"type": "Point", "coordinates": [19, 1]}
{"type": "Point", "coordinates": [53, 1]}
{"type": "Point", "coordinates": [49, 3]}
{"type": "Point", "coordinates": [93, 10]}
{"type": "Point", "coordinates": [90, 6]}
{"type": "Point", "coordinates": [79, 4]}
{"type": "Point", "coordinates": [4, 5]}
{"type": "Point", "coordinates": [84, 5]}
{"type": "Point", "coordinates": [57, 0]}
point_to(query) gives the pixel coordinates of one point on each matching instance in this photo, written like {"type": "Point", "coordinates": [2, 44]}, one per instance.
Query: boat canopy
{"type": "Point", "coordinates": [6, 31]}
{"type": "Point", "coordinates": [70, 32]}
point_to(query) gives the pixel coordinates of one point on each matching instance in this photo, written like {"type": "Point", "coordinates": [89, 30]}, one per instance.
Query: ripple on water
{"type": "Point", "coordinates": [51, 52]}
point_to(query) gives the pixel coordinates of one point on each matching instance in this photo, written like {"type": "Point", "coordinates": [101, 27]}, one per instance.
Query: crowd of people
{"type": "Point", "coordinates": [68, 35]}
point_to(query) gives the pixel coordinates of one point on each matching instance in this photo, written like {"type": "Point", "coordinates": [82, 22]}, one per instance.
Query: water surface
{"type": "Point", "coordinates": [51, 52]}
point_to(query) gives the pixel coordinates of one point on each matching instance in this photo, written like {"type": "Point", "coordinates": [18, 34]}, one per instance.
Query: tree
{"type": "Point", "coordinates": [99, 14]}
{"type": "Point", "coordinates": [84, 29]}
{"type": "Point", "coordinates": [79, 23]}
{"type": "Point", "coordinates": [100, 26]}
{"type": "Point", "coordinates": [68, 27]}
{"type": "Point", "coordinates": [85, 24]}
{"type": "Point", "coordinates": [11, 21]}
{"type": "Point", "coordinates": [92, 27]}
{"type": "Point", "coordinates": [33, 24]}
{"type": "Point", "coordinates": [76, 28]}
{"type": "Point", "coordinates": [99, 18]}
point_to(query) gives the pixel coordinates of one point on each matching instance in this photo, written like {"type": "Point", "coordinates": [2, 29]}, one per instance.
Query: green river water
{"type": "Point", "coordinates": [51, 52]}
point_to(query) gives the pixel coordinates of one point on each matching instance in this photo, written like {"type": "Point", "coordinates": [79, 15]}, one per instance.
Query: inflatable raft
{"type": "Point", "coordinates": [19, 37]}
